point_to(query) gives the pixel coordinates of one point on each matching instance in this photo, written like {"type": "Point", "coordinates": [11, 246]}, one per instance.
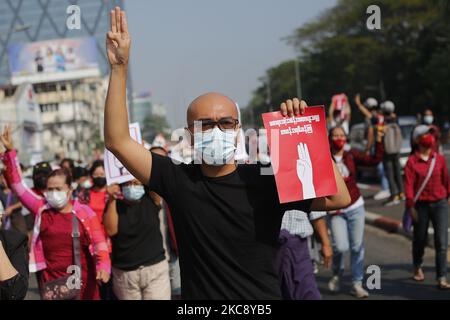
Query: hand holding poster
{"type": "Point", "coordinates": [115, 171]}
{"type": "Point", "coordinates": [300, 155]}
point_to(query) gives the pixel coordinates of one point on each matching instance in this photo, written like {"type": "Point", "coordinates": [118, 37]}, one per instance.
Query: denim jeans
{"type": "Point", "coordinates": [382, 175]}
{"type": "Point", "coordinates": [437, 212]}
{"type": "Point", "coordinates": [392, 166]}
{"type": "Point", "coordinates": [347, 233]}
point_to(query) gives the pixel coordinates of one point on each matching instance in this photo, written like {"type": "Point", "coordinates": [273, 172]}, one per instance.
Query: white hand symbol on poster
{"type": "Point", "coordinates": [305, 171]}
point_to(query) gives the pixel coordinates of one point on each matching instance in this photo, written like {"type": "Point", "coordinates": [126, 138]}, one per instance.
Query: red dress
{"type": "Point", "coordinates": [55, 233]}
{"type": "Point", "coordinates": [98, 203]}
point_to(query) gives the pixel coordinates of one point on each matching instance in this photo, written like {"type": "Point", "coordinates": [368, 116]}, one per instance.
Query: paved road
{"type": "Point", "coordinates": [392, 253]}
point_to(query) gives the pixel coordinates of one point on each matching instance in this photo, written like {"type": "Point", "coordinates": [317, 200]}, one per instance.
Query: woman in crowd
{"type": "Point", "coordinates": [82, 180]}
{"type": "Point", "coordinates": [140, 269]}
{"type": "Point", "coordinates": [347, 225]}
{"type": "Point", "coordinates": [97, 196]}
{"type": "Point", "coordinates": [432, 203]}
{"type": "Point", "coordinates": [52, 246]}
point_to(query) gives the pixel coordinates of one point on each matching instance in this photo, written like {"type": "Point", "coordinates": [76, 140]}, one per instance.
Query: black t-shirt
{"type": "Point", "coordinates": [15, 245]}
{"type": "Point", "coordinates": [226, 228]}
{"type": "Point", "coordinates": [138, 241]}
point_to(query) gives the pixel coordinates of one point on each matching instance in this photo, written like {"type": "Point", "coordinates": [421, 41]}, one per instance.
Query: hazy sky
{"type": "Point", "coordinates": [181, 49]}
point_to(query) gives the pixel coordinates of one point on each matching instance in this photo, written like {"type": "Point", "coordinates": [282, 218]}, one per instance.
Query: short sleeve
{"type": "Point", "coordinates": [163, 177]}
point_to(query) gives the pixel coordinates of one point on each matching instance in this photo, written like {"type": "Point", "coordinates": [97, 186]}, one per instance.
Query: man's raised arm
{"type": "Point", "coordinates": [133, 156]}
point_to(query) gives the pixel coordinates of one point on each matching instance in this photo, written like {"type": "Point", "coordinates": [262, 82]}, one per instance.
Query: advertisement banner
{"type": "Point", "coordinates": [53, 60]}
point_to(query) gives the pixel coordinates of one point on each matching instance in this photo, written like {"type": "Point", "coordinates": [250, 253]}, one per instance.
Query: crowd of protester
{"type": "Point", "coordinates": [126, 242]}
{"type": "Point", "coordinates": [180, 230]}
{"type": "Point", "coordinates": [68, 217]}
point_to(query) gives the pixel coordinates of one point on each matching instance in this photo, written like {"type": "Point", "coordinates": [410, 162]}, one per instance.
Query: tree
{"type": "Point", "coordinates": [154, 125]}
{"type": "Point", "coordinates": [406, 61]}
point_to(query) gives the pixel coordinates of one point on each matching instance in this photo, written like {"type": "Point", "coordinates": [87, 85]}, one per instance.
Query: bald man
{"type": "Point", "coordinates": [226, 217]}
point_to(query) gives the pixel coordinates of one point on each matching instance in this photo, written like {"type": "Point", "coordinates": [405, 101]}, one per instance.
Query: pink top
{"type": "Point", "coordinates": [38, 206]}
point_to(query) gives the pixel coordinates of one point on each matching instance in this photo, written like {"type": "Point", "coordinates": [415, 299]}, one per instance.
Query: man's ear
{"type": "Point", "coordinates": [189, 137]}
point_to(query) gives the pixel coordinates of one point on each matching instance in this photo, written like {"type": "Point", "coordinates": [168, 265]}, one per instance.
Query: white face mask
{"type": "Point", "coordinates": [56, 199]}
{"type": "Point", "coordinates": [133, 193]}
{"type": "Point", "coordinates": [215, 147]}
{"type": "Point", "coordinates": [428, 119]}
{"type": "Point", "coordinates": [86, 184]}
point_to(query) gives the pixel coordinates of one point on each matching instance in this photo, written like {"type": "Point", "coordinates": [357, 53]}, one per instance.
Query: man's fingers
{"type": "Point", "coordinates": [124, 24]}
{"type": "Point", "coordinates": [118, 19]}
{"type": "Point", "coordinates": [303, 106]}
{"type": "Point", "coordinates": [296, 103]}
{"type": "Point", "coordinates": [112, 19]}
{"type": "Point", "coordinates": [290, 108]}
{"type": "Point", "coordinates": [114, 37]}
{"type": "Point", "coordinates": [283, 109]}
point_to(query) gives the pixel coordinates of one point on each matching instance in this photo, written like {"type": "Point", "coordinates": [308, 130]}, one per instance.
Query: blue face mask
{"type": "Point", "coordinates": [133, 193]}
{"type": "Point", "coordinates": [215, 147]}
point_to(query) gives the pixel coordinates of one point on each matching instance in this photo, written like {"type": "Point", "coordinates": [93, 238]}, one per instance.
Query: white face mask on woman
{"type": "Point", "coordinates": [216, 147]}
{"type": "Point", "coordinates": [56, 199]}
{"type": "Point", "coordinates": [428, 119]}
{"type": "Point", "coordinates": [86, 184]}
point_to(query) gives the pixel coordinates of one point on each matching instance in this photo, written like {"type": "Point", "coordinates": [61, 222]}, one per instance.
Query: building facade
{"type": "Point", "coordinates": [70, 111]}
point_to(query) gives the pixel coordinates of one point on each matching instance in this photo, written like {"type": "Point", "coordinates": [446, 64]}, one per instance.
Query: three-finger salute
{"type": "Point", "coordinates": [118, 39]}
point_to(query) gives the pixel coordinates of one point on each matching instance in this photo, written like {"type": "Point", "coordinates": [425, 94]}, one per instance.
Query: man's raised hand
{"type": "Point", "coordinates": [117, 39]}
{"type": "Point", "coordinates": [293, 107]}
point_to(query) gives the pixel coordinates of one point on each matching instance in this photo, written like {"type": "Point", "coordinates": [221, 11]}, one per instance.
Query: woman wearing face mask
{"type": "Point", "coordinates": [432, 203]}
{"type": "Point", "coordinates": [52, 250]}
{"type": "Point", "coordinates": [82, 180]}
{"type": "Point", "coordinates": [347, 225]}
{"type": "Point", "coordinates": [97, 196]}
{"type": "Point", "coordinates": [140, 269]}
{"type": "Point", "coordinates": [428, 120]}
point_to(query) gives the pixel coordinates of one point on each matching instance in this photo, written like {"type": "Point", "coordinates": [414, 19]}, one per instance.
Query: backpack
{"type": "Point", "coordinates": [392, 138]}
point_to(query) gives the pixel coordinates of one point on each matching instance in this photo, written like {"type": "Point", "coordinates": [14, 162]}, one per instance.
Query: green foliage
{"type": "Point", "coordinates": [407, 61]}
{"type": "Point", "coordinates": [154, 125]}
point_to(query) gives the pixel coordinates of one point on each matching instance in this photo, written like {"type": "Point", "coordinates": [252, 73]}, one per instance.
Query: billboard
{"type": "Point", "coordinates": [53, 60]}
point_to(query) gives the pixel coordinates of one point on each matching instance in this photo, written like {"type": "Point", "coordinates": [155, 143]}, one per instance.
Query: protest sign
{"type": "Point", "coordinates": [300, 155]}
{"type": "Point", "coordinates": [115, 171]}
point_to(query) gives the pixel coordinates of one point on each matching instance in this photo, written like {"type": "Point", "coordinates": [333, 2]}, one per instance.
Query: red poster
{"type": "Point", "coordinates": [300, 154]}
